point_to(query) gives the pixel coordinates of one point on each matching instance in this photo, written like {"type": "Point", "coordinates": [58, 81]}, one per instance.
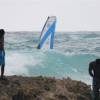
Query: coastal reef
{"type": "Point", "coordinates": [43, 88]}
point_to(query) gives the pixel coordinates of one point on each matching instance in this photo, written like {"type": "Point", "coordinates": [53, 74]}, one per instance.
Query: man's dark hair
{"type": "Point", "coordinates": [2, 32]}
{"type": "Point", "coordinates": [97, 61]}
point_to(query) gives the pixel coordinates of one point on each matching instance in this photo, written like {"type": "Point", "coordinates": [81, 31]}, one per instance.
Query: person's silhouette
{"type": "Point", "coordinates": [94, 71]}
{"type": "Point", "coordinates": [2, 52]}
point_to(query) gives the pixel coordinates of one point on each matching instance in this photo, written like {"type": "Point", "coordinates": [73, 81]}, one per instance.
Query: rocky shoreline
{"type": "Point", "coordinates": [43, 88]}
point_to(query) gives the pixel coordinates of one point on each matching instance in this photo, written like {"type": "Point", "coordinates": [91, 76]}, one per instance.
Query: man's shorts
{"type": "Point", "coordinates": [2, 57]}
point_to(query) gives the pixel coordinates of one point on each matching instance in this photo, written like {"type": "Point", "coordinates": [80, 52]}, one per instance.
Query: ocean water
{"type": "Point", "coordinates": [70, 57]}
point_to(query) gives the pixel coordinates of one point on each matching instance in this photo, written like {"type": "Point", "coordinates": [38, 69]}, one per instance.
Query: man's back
{"type": "Point", "coordinates": [2, 43]}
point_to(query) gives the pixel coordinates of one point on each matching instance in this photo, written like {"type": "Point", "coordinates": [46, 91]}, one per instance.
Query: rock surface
{"type": "Point", "coordinates": [43, 88]}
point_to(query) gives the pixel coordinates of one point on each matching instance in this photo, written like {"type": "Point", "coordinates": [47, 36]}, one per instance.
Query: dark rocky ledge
{"type": "Point", "coordinates": [43, 88]}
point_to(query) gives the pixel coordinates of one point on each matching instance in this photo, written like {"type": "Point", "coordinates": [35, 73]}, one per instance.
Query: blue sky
{"type": "Point", "coordinates": [30, 15]}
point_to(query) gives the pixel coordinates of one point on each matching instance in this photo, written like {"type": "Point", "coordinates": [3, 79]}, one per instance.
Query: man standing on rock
{"type": "Point", "coordinates": [2, 53]}
{"type": "Point", "coordinates": [94, 71]}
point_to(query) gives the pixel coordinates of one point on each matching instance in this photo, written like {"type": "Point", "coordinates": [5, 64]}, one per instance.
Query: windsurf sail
{"type": "Point", "coordinates": [48, 29]}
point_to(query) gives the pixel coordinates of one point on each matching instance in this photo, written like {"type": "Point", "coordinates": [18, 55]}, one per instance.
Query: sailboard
{"type": "Point", "coordinates": [48, 29]}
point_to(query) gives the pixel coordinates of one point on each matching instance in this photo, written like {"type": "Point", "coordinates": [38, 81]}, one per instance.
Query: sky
{"type": "Point", "coordinates": [30, 15]}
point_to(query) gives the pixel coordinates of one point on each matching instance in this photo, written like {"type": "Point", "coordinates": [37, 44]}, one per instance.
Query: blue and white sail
{"type": "Point", "coordinates": [48, 29]}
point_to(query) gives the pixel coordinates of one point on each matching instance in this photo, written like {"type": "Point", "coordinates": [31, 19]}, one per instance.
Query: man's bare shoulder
{"type": "Point", "coordinates": [92, 63]}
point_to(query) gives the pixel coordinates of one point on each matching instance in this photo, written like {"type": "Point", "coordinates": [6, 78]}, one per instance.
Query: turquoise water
{"type": "Point", "coordinates": [70, 57]}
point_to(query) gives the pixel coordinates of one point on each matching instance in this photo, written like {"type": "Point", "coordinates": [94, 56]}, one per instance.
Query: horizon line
{"type": "Point", "coordinates": [55, 32]}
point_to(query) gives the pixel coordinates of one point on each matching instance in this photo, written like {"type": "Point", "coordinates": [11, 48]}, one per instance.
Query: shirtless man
{"type": "Point", "coordinates": [94, 71]}
{"type": "Point", "coordinates": [2, 53]}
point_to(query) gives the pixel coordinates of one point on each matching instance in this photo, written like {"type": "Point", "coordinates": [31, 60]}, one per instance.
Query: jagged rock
{"type": "Point", "coordinates": [43, 88]}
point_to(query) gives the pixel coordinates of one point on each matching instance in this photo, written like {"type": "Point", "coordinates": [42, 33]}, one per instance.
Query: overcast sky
{"type": "Point", "coordinates": [30, 15]}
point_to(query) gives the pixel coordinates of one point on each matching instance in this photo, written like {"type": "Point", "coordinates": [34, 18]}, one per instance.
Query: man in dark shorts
{"type": "Point", "coordinates": [2, 53]}
{"type": "Point", "coordinates": [94, 71]}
